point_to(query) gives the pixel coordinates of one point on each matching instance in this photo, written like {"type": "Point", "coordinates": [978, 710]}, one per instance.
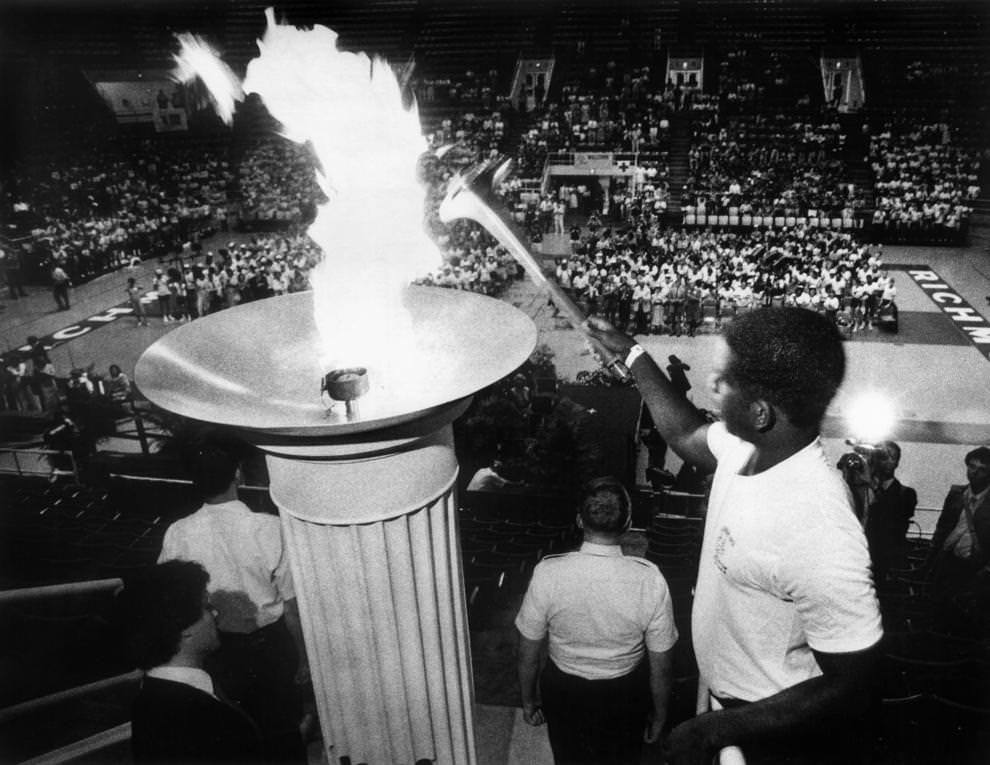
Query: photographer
{"type": "Point", "coordinates": [885, 505]}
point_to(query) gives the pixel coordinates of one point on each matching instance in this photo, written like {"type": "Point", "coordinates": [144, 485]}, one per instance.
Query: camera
{"type": "Point", "coordinates": [860, 459]}
{"type": "Point", "coordinates": [852, 461]}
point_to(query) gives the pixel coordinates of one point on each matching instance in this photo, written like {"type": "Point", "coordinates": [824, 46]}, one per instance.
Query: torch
{"type": "Point", "coordinates": [471, 195]}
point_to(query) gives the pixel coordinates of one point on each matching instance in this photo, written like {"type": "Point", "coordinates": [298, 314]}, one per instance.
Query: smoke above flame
{"type": "Point", "coordinates": [348, 107]}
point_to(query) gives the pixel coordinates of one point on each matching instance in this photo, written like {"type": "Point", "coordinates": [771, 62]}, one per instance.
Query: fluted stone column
{"type": "Point", "coordinates": [371, 530]}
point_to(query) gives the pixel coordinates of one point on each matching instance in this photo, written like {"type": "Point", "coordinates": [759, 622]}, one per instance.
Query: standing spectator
{"type": "Point", "coordinates": [888, 513]}
{"type": "Point", "coordinates": [60, 287]}
{"type": "Point", "coordinates": [609, 623]}
{"type": "Point", "coordinates": [191, 291]}
{"type": "Point", "coordinates": [205, 291]}
{"type": "Point", "coordinates": [168, 628]}
{"type": "Point", "coordinates": [785, 618]}
{"type": "Point", "coordinates": [43, 382]}
{"type": "Point", "coordinates": [134, 298]}
{"type": "Point", "coordinates": [17, 381]}
{"type": "Point", "coordinates": [177, 295]}
{"type": "Point", "coordinates": [11, 264]}
{"type": "Point", "coordinates": [262, 656]}
{"type": "Point", "coordinates": [960, 556]}
{"type": "Point", "coordinates": [675, 371]}
{"type": "Point", "coordinates": [160, 285]}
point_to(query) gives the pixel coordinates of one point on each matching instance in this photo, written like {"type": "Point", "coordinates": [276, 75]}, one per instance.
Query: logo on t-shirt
{"type": "Point", "coordinates": [723, 544]}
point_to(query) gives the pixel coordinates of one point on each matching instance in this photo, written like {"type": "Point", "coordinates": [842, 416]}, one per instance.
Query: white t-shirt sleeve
{"type": "Point", "coordinates": [168, 547]}
{"type": "Point", "coordinates": [532, 621]}
{"type": "Point", "coordinates": [826, 572]}
{"type": "Point", "coordinates": [720, 440]}
{"type": "Point", "coordinates": [661, 632]}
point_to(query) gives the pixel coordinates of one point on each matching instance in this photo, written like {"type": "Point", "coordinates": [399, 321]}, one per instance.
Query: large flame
{"type": "Point", "coordinates": [196, 58]}
{"type": "Point", "coordinates": [371, 230]}
{"type": "Point", "coordinates": [349, 108]}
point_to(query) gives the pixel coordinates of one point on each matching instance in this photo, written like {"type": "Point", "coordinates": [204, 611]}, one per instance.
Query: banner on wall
{"type": "Point", "coordinates": [593, 163]}
{"type": "Point", "coordinates": [142, 96]}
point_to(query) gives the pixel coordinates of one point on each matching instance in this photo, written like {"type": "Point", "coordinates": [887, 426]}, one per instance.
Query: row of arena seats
{"type": "Point", "coordinates": [935, 704]}
{"type": "Point", "coordinates": [770, 221]}
{"type": "Point", "coordinates": [56, 532]}
{"type": "Point", "coordinates": [53, 533]}
{"type": "Point", "coordinates": [499, 555]}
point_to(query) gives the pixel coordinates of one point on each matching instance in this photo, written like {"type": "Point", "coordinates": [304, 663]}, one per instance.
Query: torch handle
{"type": "Point", "coordinates": [511, 236]}
{"type": "Point", "coordinates": [467, 204]}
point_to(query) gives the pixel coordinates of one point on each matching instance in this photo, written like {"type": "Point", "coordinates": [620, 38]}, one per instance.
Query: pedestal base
{"type": "Point", "coordinates": [373, 543]}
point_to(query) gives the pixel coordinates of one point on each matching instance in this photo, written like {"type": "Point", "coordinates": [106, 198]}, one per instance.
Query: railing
{"type": "Point", "coordinates": [568, 158]}
{"type": "Point", "coordinates": [86, 748]}
{"type": "Point", "coordinates": [50, 591]}
{"type": "Point", "coordinates": [50, 470]}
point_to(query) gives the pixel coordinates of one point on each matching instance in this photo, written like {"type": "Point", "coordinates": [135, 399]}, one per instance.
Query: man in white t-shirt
{"type": "Point", "coordinates": [785, 620]}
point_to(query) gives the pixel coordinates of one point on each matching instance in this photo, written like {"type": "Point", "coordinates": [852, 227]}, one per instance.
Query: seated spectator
{"type": "Point", "coordinates": [118, 385]}
{"type": "Point", "coordinates": [493, 478]}
{"type": "Point", "coordinates": [960, 554]}
{"type": "Point", "coordinates": [923, 184]}
{"type": "Point", "coordinates": [169, 630]}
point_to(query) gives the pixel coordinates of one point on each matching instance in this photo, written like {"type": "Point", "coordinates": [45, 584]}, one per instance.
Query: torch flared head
{"type": "Point", "coordinates": [255, 367]}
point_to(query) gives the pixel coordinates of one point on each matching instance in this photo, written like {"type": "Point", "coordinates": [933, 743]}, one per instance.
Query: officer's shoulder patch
{"type": "Point", "coordinates": [641, 561]}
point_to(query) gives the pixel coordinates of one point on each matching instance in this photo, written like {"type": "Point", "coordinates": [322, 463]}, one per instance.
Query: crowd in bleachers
{"type": "Point", "coordinates": [783, 164]}
{"type": "Point", "coordinates": [469, 90]}
{"type": "Point", "coordinates": [607, 111]}
{"type": "Point", "coordinates": [924, 184]}
{"type": "Point", "coordinates": [473, 260]}
{"type": "Point", "coordinates": [277, 185]}
{"type": "Point", "coordinates": [753, 156]}
{"type": "Point", "coordinates": [96, 210]}
{"type": "Point", "coordinates": [468, 137]}
{"type": "Point", "coordinates": [649, 279]}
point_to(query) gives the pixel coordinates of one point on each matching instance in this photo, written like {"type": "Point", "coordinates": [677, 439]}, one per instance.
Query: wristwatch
{"type": "Point", "coordinates": [634, 353]}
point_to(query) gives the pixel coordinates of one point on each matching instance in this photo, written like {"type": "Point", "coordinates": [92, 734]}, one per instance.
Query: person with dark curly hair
{"type": "Point", "coordinates": [168, 628]}
{"type": "Point", "coordinates": [785, 621]}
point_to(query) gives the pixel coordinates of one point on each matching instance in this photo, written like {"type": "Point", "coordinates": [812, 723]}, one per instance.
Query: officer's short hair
{"type": "Point", "coordinates": [604, 506]}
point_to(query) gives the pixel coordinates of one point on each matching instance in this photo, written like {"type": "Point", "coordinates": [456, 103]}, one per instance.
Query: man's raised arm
{"type": "Point", "coordinates": [679, 422]}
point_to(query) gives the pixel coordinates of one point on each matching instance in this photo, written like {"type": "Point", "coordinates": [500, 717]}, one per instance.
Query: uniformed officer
{"type": "Point", "coordinates": [610, 629]}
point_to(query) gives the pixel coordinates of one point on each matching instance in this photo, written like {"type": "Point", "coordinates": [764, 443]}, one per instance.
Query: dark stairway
{"type": "Point", "coordinates": [680, 146]}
